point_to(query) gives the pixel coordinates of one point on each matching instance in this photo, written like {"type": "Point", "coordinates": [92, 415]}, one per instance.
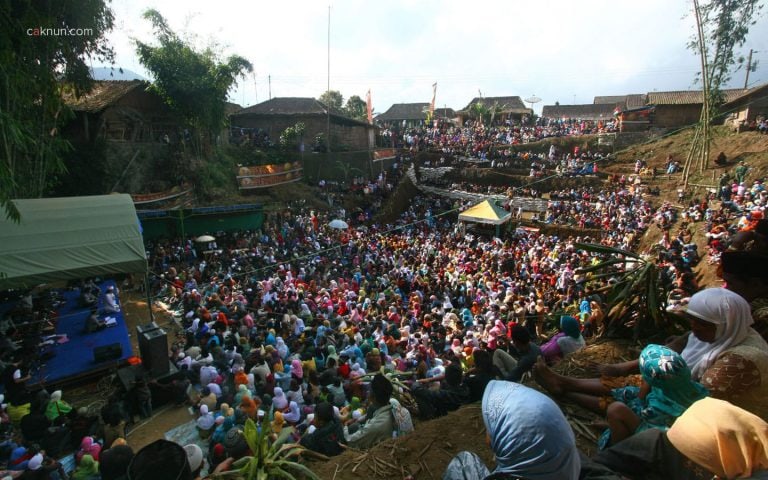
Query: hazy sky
{"type": "Point", "coordinates": [566, 51]}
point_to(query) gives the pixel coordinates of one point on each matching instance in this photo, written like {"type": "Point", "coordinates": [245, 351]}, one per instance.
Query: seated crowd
{"type": "Point", "coordinates": [322, 327]}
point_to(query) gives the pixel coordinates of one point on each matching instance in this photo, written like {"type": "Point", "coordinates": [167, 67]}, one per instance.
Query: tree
{"type": "Point", "coordinates": [45, 49]}
{"type": "Point", "coordinates": [479, 111]}
{"type": "Point", "coordinates": [193, 83]}
{"type": "Point", "coordinates": [721, 26]}
{"type": "Point", "coordinates": [356, 108]}
{"type": "Point", "coordinates": [333, 99]}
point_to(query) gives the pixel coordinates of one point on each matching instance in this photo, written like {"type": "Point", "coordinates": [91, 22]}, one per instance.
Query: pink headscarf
{"type": "Point", "coordinates": [88, 446]}
{"type": "Point", "coordinates": [296, 369]}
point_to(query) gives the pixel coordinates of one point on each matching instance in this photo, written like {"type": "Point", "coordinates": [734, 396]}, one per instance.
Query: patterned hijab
{"type": "Point", "coordinates": [672, 390]}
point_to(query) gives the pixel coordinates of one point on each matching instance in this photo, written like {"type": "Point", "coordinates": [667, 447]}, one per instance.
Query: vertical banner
{"type": "Point", "coordinates": [432, 105]}
{"type": "Point", "coordinates": [369, 106]}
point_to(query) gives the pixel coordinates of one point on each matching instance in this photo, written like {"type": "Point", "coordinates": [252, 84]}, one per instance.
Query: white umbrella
{"type": "Point", "coordinates": [205, 238]}
{"type": "Point", "coordinates": [339, 224]}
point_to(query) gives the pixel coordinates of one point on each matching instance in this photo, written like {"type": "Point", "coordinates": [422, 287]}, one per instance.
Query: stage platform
{"type": "Point", "coordinates": [73, 360]}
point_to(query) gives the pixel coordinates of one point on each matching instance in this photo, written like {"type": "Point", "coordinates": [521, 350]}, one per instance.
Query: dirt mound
{"type": "Point", "coordinates": [424, 453]}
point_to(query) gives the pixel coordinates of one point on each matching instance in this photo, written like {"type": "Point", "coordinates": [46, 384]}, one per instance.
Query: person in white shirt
{"type": "Point", "coordinates": [110, 301]}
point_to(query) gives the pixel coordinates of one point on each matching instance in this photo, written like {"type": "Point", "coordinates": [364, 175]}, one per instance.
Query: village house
{"type": "Point", "coordinates": [682, 108]}
{"type": "Point", "coordinates": [412, 115]}
{"type": "Point", "coordinates": [121, 111]}
{"type": "Point", "coordinates": [744, 111]}
{"type": "Point", "coordinates": [509, 109]}
{"type": "Point", "coordinates": [275, 115]}
{"type": "Point", "coordinates": [589, 111]}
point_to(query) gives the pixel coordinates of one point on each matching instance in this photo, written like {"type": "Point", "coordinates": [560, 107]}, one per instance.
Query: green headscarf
{"type": "Point", "coordinates": [87, 469]}
{"type": "Point", "coordinates": [672, 390]}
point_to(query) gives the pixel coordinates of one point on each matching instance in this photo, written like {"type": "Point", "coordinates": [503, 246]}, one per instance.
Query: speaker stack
{"type": "Point", "coordinates": [153, 348]}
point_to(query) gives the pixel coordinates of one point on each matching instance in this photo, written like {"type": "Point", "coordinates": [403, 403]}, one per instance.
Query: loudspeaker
{"type": "Point", "coordinates": [107, 352]}
{"type": "Point", "coordinates": [141, 329]}
{"type": "Point", "coordinates": [153, 347]}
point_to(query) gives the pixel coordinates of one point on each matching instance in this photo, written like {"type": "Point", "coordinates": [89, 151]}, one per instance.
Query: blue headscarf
{"type": "Point", "coordinates": [584, 307]}
{"type": "Point", "coordinates": [570, 326]}
{"type": "Point", "coordinates": [672, 390]}
{"type": "Point", "coordinates": [529, 434]}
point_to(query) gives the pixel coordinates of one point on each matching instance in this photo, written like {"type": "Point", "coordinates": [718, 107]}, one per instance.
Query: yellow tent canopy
{"type": "Point", "coordinates": [485, 212]}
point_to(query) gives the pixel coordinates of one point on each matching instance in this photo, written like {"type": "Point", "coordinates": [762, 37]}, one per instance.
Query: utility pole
{"type": "Point", "coordinates": [749, 67]}
{"type": "Point", "coordinates": [328, 88]}
{"type": "Point", "coordinates": [269, 80]}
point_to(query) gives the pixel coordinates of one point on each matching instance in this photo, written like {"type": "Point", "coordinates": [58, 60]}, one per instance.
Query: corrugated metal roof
{"type": "Point", "coordinates": [103, 94]}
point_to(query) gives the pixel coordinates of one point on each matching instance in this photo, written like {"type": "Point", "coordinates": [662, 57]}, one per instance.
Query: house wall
{"type": "Point", "coordinates": [353, 137]}
{"type": "Point", "coordinates": [669, 116]}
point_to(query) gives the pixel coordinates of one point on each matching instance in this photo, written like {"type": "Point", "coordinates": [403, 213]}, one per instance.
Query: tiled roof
{"type": "Point", "coordinates": [103, 94]}
{"type": "Point", "coordinates": [507, 104]}
{"type": "Point", "coordinates": [689, 97]}
{"type": "Point", "coordinates": [609, 99]}
{"type": "Point", "coordinates": [404, 111]}
{"type": "Point", "coordinates": [749, 93]}
{"type": "Point", "coordinates": [294, 106]}
{"type": "Point", "coordinates": [636, 100]}
{"type": "Point", "coordinates": [588, 111]}
{"type": "Point", "coordinates": [632, 100]}
{"type": "Point", "coordinates": [230, 108]}
{"type": "Point", "coordinates": [287, 106]}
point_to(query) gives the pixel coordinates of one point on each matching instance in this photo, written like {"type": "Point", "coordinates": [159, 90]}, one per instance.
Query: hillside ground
{"type": "Point", "coordinates": [426, 452]}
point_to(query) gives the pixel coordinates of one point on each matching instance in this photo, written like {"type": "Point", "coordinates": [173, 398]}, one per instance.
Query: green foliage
{"type": "Point", "coordinates": [637, 301]}
{"type": "Point", "coordinates": [215, 177]}
{"type": "Point", "coordinates": [271, 458]}
{"type": "Point", "coordinates": [333, 99]}
{"type": "Point", "coordinates": [292, 137]}
{"type": "Point", "coordinates": [194, 83]}
{"type": "Point", "coordinates": [356, 108]}
{"type": "Point", "coordinates": [86, 169]}
{"type": "Point", "coordinates": [36, 68]}
{"type": "Point", "coordinates": [346, 169]}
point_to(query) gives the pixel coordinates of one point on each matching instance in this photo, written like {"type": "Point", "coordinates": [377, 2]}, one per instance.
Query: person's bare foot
{"type": "Point", "coordinates": [547, 378]}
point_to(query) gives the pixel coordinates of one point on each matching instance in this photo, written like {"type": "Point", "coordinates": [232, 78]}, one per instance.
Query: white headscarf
{"type": "Point", "coordinates": [732, 315]}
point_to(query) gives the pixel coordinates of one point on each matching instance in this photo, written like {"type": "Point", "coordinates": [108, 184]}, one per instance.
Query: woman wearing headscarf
{"type": "Point", "coordinates": [293, 415]}
{"type": "Point", "coordinates": [724, 353]}
{"type": "Point", "coordinates": [56, 407]}
{"type": "Point", "coordinates": [249, 407]}
{"type": "Point", "coordinates": [282, 348]}
{"type": "Point", "coordinates": [712, 437]}
{"type": "Point", "coordinates": [88, 446]}
{"type": "Point", "coordinates": [528, 434]}
{"type": "Point", "coordinates": [297, 369]}
{"type": "Point", "coordinates": [279, 400]}
{"type": "Point", "coordinates": [87, 470]}
{"type": "Point", "coordinates": [205, 422]}
{"type": "Point", "coordinates": [667, 391]}
{"type": "Point", "coordinates": [568, 341]}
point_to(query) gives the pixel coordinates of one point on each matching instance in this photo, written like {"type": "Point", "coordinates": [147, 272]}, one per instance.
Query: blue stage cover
{"type": "Point", "coordinates": [75, 357]}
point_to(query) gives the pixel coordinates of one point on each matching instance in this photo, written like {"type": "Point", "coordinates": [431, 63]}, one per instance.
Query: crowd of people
{"type": "Point", "coordinates": [345, 334]}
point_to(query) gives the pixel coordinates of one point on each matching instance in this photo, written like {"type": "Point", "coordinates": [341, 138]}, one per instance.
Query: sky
{"type": "Point", "coordinates": [556, 50]}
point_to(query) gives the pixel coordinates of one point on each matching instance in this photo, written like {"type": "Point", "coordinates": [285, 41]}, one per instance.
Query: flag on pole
{"type": "Point", "coordinates": [369, 106]}
{"type": "Point", "coordinates": [432, 105]}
